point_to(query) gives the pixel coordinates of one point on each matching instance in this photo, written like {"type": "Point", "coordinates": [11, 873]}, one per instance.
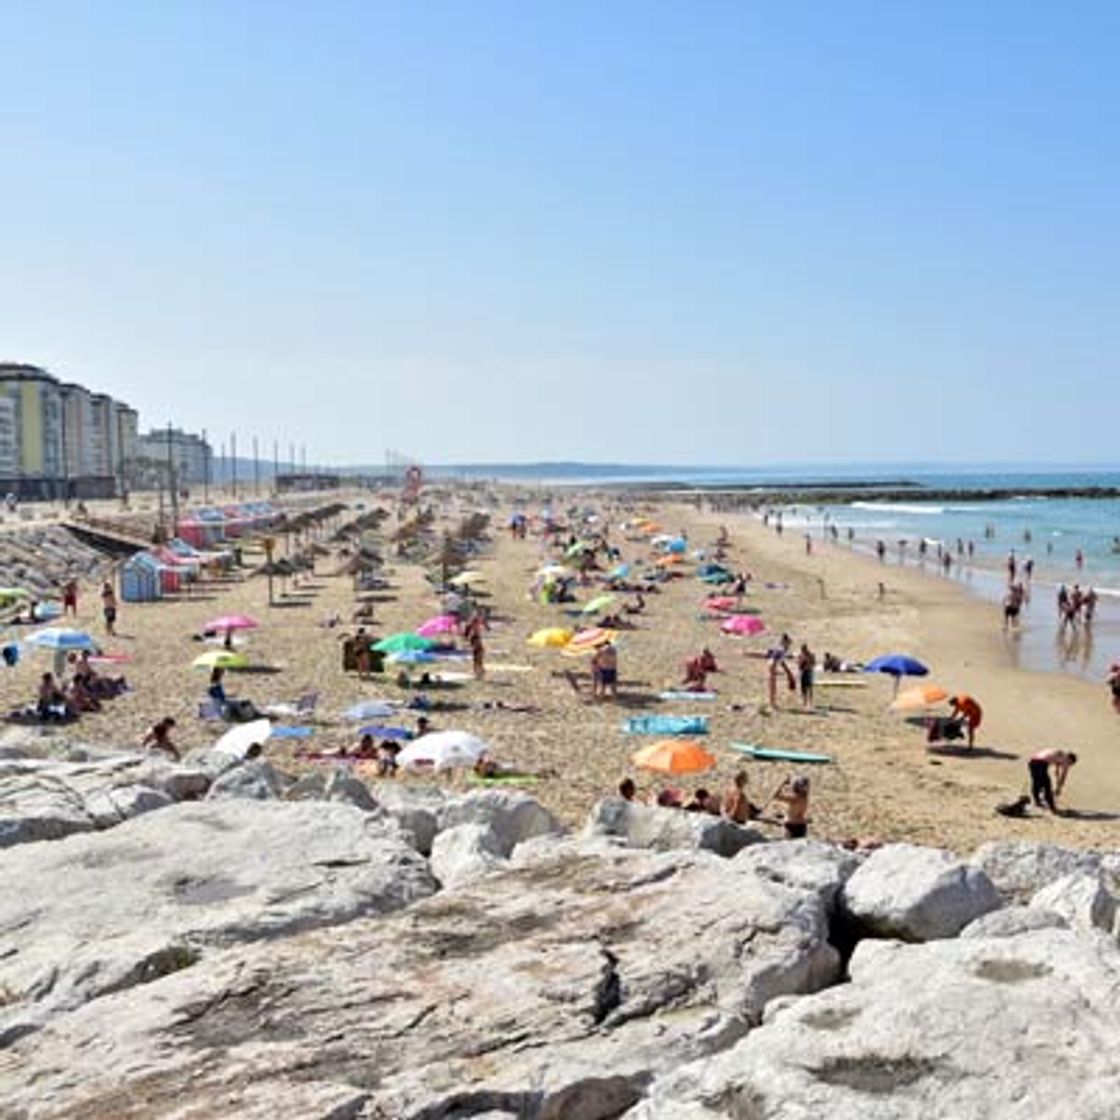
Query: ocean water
{"type": "Point", "coordinates": [1050, 530]}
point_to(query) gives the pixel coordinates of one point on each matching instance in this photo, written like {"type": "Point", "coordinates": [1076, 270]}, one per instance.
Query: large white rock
{"type": "Point", "coordinates": [254, 779]}
{"type": "Point", "coordinates": [1018, 868]}
{"type": "Point", "coordinates": [808, 865]}
{"type": "Point", "coordinates": [1005, 1029]}
{"type": "Point", "coordinates": [465, 852]}
{"type": "Point", "coordinates": [98, 912]}
{"type": "Point", "coordinates": [648, 826]}
{"type": "Point", "coordinates": [559, 989]}
{"type": "Point", "coordinates": [511, 816]}
{"type": "Point", "coordinates": [1081, 900]}
{"type": "Point", "coordinates": [1012, 921]}
{"type": "Point", "coordinates": [415, 808]}
{"type": "Point", "coordinates": [917, 894]}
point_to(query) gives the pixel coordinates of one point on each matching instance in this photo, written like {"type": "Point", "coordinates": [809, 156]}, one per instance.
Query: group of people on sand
{"type": "Point", "coordinates": [1075, 606]}
{"type": "Point", "coordinates": [735, 805]}
{"type": "Point", "coordinates": [73, 689]}
{"type": "Point", "coordinates": [777, 663]}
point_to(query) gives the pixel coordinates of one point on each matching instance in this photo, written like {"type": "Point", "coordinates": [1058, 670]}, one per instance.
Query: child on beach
{"type": "Point", "coordinates": [796, 800]}
{"type": "Point", "coordinates": [109, 607]}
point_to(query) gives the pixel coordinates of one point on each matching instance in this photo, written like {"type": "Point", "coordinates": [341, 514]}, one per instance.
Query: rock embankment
{"type": "Point", "coordinates": [225, 936]}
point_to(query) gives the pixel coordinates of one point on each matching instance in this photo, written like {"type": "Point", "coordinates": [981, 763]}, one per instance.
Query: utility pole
{"type": "Point", "coordinates": [172, 488]}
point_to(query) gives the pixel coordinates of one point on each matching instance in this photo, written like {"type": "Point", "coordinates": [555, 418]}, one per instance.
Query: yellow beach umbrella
{"type": "Point", "coordinates": [588, 641]}
{"type": "Point", "coordinates": [551, 637]}
{"type": "Point", "coordinates": [220, 659]}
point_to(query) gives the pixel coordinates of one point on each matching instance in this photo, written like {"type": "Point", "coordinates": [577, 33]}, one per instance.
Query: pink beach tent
{"type": "Point", "coordinates": [743, 625]}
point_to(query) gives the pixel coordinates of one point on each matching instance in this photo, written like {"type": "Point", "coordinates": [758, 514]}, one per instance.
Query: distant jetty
{"type": "Point", "coordinates": [842, 493]}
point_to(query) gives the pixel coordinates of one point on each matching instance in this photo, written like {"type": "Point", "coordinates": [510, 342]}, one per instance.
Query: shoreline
{"type": "Point", "coordinates": [883, 780]}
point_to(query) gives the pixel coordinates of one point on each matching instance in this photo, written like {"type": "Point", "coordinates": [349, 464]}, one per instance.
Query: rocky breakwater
{"type": "Point", "coordinates": [41, 559]}
{"type": "Point", "coordinates": [321, 949]}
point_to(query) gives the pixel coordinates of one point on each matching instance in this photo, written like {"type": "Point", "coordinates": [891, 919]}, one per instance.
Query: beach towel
{"type": "Point", "coordinates": [283, 732]}
{"type": "Point", "coordinates": [384, 731]}
{"type": "Point", "coordinates": [681, 694]}
{"type": "Point", "coordinates": [658, 724]}
{"type": "Point", "coordinates": [502, 780]}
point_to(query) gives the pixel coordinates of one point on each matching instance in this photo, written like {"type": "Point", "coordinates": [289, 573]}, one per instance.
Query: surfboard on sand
{"type": "Point", "coordinates": [674, 694]}
{"type": "Point", "coordinates": [778, 754]}
{"type": "Point", "coordinates": [839, 682]}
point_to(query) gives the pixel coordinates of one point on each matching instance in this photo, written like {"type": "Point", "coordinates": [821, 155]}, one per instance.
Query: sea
{"type": "Point", "coordinates": [1051, 531]}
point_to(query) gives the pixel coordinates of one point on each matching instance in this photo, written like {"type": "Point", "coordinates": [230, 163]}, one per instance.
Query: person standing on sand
{"type": "Point", "coordinates": [796, 801]}
{"type": "Point", "coordinates": [737, 807]}
{"type": "Point", "coordinates": [775, 660]}
{"type": "Point", "coordinates": [109, 607]}
{"type": "Point", "coordinates": [806, 671]}
{"type": "Point", "coordinates": [604, 669]}
{"type": "Point", "coordinates": [1114, 685]}
{"type": "Point", "coordinates": [1039, 768]}
{"type": "Point", "coordinates": [70, 597]}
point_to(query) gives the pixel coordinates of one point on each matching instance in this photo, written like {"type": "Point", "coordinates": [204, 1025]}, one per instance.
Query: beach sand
{"type": "Point", "coordinates": [884, 782]}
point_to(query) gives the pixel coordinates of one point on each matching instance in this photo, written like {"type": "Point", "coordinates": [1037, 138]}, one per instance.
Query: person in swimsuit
{"type": "Point", "coordinates": [70, 597]}
{"type": "Point", "coordinates": [109, 607]}
{"type": "Point", "coordinates": [1114, 684]}
{"type": "Point", "coordinates": [796, 800]}
{"type": "Point", "coordinates": [159, 738]}
{"type": "Point", "coordinates": [607, 657]}
{"type": "Point", "coordinates": [1039, 768]}
{"type": "Point", "coordinates": [806, 671]}
{"type": "Point", "coordinates": [737, 806]}
{"type": "Point", "coordinates": [969, 712]}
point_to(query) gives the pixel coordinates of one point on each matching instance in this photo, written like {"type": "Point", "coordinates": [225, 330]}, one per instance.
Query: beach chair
{"type": "Point", "coordinates": [209, 709]}
{"type": "Point", "coordinates": [304, 706]}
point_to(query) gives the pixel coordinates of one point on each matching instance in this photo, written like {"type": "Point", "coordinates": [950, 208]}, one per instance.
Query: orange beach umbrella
{"type": "Point", "coordinates": [919, 697]}
{"type": "Point", "coordinates": [674, 756]}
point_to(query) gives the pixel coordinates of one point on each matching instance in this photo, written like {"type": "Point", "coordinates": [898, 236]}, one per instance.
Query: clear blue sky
{"type": "Point", "coordinates": [682, 232]}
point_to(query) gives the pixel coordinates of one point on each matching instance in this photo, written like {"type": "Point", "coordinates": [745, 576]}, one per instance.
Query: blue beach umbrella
{"type": "Point", "coordinates": [61, 638]}
{"type": "Point", "coordinates": [621, 571]}
{"type": "Point", "coordinates": [898, 665]}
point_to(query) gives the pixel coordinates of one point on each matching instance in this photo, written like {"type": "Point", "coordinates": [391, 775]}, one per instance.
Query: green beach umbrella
{"type": "Point", "coordinates": [597, 604]}
{"type": "Point", "coordinates": [399, 643]}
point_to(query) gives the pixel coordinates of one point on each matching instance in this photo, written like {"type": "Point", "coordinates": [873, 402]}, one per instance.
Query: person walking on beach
{"type": "Point", "coordinates": [1012, 606]}
{"type": "Point", "coordinates": [775, 660]}
{"type": "Point", "coordinates": [109, 607]}
{"type": "Point", "coordinates": [70, 597]}
{"type": "Point", "coordinates": [1039, 769]}
{"type": "Point", "coordinates": [806, 671]}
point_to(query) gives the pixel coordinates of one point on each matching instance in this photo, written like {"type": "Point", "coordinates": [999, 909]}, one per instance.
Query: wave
{"type": "Point", "coordinates": [888, 507]}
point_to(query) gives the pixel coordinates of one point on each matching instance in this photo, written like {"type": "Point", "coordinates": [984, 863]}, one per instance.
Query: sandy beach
{"type": "Point", "coordinates": [883, 781]}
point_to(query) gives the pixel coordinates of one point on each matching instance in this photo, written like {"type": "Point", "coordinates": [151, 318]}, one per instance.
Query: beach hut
{"type": "Point", "coordinates": [140, 579]}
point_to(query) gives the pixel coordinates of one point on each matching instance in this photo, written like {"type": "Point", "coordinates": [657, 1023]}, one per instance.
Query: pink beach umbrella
{"type": "Point", "coordinates": [439, 624]}
{"type": "Point", "coordinates": [743, 625]}
{"type": "Point", "coordinates": [227, 622]}
{"type": "Point", "coordinates": [721, 603]}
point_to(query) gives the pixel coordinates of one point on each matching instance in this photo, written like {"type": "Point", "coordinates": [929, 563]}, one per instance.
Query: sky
{"type": "Point", "coordinates": [735, 233]}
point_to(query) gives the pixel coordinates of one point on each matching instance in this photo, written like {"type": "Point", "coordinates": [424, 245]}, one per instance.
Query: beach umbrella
{"type": "Point", "coordinates": [227, 622]}
{"type": "Point", "coordinates": [577, 548]}
{"type": "Point", "coordinates": [588, 641]}
{"type": "Point", "coordinates": [919, 697]}
{"type": "Point", "coordinates": [438, 624]}
{"type": "Point", "coordinates": [551, 637]}
{"type": "Point", "coordinates": [442, 750]}
{"type": "Point", "coordinates": [674, 756]}
{"type": "Point", "coordinates": [463, 579]}
{"type": "Point", "coordinates": [620, 571]}
{"type": "Point", "coordinates": [677, 544]}
{"type": "Point", "coordinates": [60, 638]}
{"type": "Point", "coordinates": [369, 709]}
{"type": "Point", "coordinates": [553, 570]}
{"type": "Point", "coordinates": [597, 604]}
{"type": "Point", "coordinates": [220, 659]}
{"type": "Point", "coordinates": [401, 641]}
{"type": "Point", "coordinates": [897, 665]}
{"type": "Point", "coordinates": [411, 657]}
{"type": "Point", "coordinates": [742, 624]}
{"type": "Point", "coordinates": [237, 740]}
{"type": "Point", "coordinates": [10, 595]}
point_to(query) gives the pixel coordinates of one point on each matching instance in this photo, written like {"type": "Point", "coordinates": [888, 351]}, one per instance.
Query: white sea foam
{"type": "Point", "coordinates": [887, 507]}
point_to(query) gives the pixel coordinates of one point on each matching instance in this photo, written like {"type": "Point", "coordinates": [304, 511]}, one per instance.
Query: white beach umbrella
{"type": "Point", "coordinates": [237, 740]}
{"type": "Point", "coordinates": [442, 750]}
